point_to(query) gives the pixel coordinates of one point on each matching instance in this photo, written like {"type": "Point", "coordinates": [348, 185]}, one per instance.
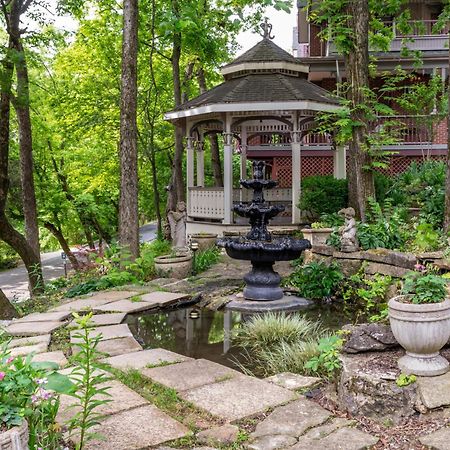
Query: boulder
{"type": "Point", "coordinates": [367, 387]}
{"type": "Point", "coordinates": [390, 257]}
{"type": "Point", "coordinates": [368, 337]}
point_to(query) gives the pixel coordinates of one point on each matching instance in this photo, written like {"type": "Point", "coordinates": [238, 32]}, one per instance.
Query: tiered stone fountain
{"type": "Point", "coordinates": [262, 291]}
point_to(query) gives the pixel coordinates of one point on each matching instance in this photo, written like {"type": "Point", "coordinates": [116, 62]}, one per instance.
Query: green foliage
{"type": "Point", "coordinates": [426, 238]}
{"type": "Point", "coordinates": [8, 257]}
{"type": "Point", "coordinates": [316, 280]}
{"type": "Point", "coordinates": [90, 391]}
{"type": "Point", "coordinates": [206, 259]}
{"type": "Point", "coordinates": [366, 293]}
{"type": "Point", "coordinates": [30, 391]}
{"type": "Point", "coordinates": [385, 227]}
{"type": "Point", "coordinates": [323, 194]}
{"type": "Point", "coordinates": [424, 287]}
{"type": "Point", "coordinates": [405, 380]}
{"type": "Point", "coordinates": [273, 343]}
{"type": "Point", "coordinates": [327, 360]}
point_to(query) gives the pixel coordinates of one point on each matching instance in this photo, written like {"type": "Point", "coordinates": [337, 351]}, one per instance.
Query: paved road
{"type": "Point", "coordinates": [14, 282]}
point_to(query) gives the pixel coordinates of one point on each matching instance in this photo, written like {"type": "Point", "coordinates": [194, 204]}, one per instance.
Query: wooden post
{"type": "Point", "coordinates": [200, 165]}
{"type": "Point", "coordinates": [339, 163]}
{"type": "Point", "coordinates": [189, 170]}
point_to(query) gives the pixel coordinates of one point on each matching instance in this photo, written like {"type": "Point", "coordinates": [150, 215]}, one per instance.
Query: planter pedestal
{"type": "Point", "coordinates": [422, 330]}
{"type": "Point", "coordinates": [16, 438]}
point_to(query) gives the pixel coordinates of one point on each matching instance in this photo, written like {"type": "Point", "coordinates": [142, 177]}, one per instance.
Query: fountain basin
{"type": "Point", "coordinates": [278, 249]}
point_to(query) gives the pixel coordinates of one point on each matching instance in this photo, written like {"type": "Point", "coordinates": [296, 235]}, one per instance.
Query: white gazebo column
{"type": "Point", "coordinates": [228, 172]}
{"type": "Point", "coordinates": [200, 165]}
{"type": "Point", "coordinates": [296, 172]}
{"type": "Point", "coordinates": [189, 170]}
{"type": "Point", "coordinates": [339, 162]}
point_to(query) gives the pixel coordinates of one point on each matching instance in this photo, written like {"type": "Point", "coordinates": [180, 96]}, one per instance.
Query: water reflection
{"type": "Point", "coordinates": [202, 333]}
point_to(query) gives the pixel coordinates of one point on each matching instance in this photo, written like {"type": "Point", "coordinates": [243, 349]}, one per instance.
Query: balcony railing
{"type": "Point", "coordinates": [418, 28]}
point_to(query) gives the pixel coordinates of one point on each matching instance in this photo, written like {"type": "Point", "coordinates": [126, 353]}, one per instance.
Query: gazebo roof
{"type": "Point", "coordinates": [264, 78]}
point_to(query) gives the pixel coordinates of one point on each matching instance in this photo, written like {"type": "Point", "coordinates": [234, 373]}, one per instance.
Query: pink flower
{"type": "Point", "coordinates": [2, 375]}
{"type": "Point", "coordinates": [10, 360]}
{"type": "Point", "coordinates": [420, 268]}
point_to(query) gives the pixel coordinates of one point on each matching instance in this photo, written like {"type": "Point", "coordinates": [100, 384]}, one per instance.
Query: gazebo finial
{"type": "Point", "coordinates": [267, 29]}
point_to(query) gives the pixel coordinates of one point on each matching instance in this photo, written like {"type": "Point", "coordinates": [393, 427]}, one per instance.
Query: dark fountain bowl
{"type": "Point", "coordinates": [279, 249]}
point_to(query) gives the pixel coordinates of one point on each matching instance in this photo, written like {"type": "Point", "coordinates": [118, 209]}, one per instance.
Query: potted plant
{"type": "Point", "coordinates": [178, 265]}
{"type": "Point", "coordinates": [317, 234]}
{"type": "Point", "coordinates": [28, 401]}
{"type": "Point", "coordinates": [205, 241]}
{"type": "Point", "coordinates": [420, 321]}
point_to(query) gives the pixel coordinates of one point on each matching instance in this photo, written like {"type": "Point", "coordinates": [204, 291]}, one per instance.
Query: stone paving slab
{"type": "Point", "coordinates": [107, 332]}
{"type": "Point", "coordinates": [32, 328]}
{"type": "Point", "coordinates": [121, 397]}
{"type": "Point", "coordinates": [26, 350]}
{"type": "Point", "coordinates": [30, 340]}
{"type": "Point", "coordinates": [240, 397]}
{"type": "Point", "coordinates": [161, 298]}
{"type": "Point", "coordinates": [434, 392]}
{"type": "Point", "coordinates": [137, 428]}
{"type": "Point", "coordinates": [142, 359]}
{"type": "Point", "coordinates": [126, 306]}
{"type": "Point", "coordinates": [438, 440]}
{"type": "Point", "coordinates": [81, 305]}
{"type": "Point", "coordinates": [190, 374]}
{"type": "Point", "coordinates": [293, 381]}
{"type": "Point", "coordinates": [119, 346]}
{"type": "Point", "coordinates": [292, 419]}
{"type": "Point", "coordinates": [273, 442]}
{"type": "Point", "coordinates": [112, 296]}
{"type": "Point", "coordinates": [342, 439]}
{"type": "Point", "coordinates": [55, 357]}
{"type": "Point", "coordinates": [103, 319]}
{"type": "Point", "coordinates": [44, 317]}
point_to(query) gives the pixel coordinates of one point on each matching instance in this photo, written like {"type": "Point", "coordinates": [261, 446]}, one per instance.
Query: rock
{"type": "Point", "coordinates": [32, 328]}
{"type": "Point", "coordinates": [224, 435]}
{"type": "Point", "coordinates": [85, 304]}
{"type": "Point", "coordinates": [161, 298]}
{"type": "Point", "coordinates": [106, 332]}
{"type": "Point", "coordinates": [125, 306]}
{"type": "Point", "coordinates": [368, 337]}
{"type": "Point", "coordinates": [144, 358]}
{"type": "Point", "coordinates": [104, 319]}
{"type": "Point", "coordinates": [349, 266]}
{"type": "Point", "coordinates": [111, 296]}
{"type": "Point", "coordinates": [439, 440]}
{"type": "Point", "coordinates": [137, 428]}
{"type": "Point", "coordinates": [114, 347]}
{"type": "Point", "coordinates": [26, 350]}
{"type": "Point", "coordinates": [434, 391]}
{"type": "Point", "coordinates": [367, 387]}
{"type": "Point", "coordinates": [341, 439]}
{"type": "Point", "coordinates": [271, 442]}
{"type": "Point", "coordinates": [326, 250]}
{"type": "Point", "coordinates": [190, 374]}
{"type": "Point", "coordinates": [55, 357]}
{"type": "Point", "coordinates": [292, 419]}
{"type": "Point", "coordinates": [328, 428]}
{"type": "Point", "coordinates": [293, 381]}
{"type": "Point", "coordinates": [390, 257]}
{"type": "Point", "coordinates": [347, 255]}
{"type": "Point", "coordinates": [31, 340]}
{"type": "Point", "coordinates": [237, 398]}
{"type": "Point", "coordinates": [44, 317]}
{"type": "Point", "coordinates": [373, 268]}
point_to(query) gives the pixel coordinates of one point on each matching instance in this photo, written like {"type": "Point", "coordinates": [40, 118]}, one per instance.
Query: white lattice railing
{"type": "Point", "coordinates": [206, 203]}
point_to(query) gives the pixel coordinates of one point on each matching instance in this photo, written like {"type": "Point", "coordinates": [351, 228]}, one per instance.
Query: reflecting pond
{"type": "Point", "coordinates": [203, 333]}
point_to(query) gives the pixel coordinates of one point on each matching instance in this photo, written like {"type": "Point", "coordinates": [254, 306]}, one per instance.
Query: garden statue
{"type": "Point", "coordinates": [177, 222]}
{"type": "Point", "coordinates": [349, 241]}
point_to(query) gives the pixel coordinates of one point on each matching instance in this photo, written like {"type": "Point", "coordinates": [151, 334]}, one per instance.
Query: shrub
{"type": "Point", "coordinates": [323, 194]}
{"type": "Point", "coordinates": [204, 260]}
{"type": "Point", "coordinates": [423, 287]}
{"type": "Point", "coordinates": [316, 280]}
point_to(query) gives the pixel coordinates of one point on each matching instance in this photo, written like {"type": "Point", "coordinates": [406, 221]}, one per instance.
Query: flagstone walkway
{"type": "Point", "coordinates": [282, 417]}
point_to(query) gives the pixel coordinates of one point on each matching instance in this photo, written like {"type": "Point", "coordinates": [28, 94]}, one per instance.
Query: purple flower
{"type": "Point", "coordinates": [41, 381]}
{"type": "Point", "coordinates": [420, 268]}
{"type": "Point", "coordinates": [2, 375]}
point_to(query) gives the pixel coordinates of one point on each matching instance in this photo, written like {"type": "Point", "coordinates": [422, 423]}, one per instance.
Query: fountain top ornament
{"type": "Point", "coordinates": [258, 246]}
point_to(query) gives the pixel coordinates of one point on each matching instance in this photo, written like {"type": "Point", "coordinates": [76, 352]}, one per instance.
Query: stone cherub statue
{"type": "Point", "coordinates": [349, 240]}
{"type": "Point", "coordinates": [177, 222]}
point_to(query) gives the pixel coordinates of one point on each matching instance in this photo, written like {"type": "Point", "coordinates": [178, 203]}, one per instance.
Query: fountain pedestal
{"type": "Point", "coordinates": [262, 282]}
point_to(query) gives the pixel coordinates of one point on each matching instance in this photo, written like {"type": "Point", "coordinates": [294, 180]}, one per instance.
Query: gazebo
{"type": "Point", "coordinates": [265, 105]}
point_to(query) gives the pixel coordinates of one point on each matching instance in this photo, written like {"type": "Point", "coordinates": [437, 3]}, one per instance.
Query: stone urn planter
{"type": "Point", "coordinates": [205, 241]}
{"type": "Point", "coordinates": [317, 236]}
{"type": "Point", "coordinates": [422, 330]}
{"type": "Point", "coordinates": [15, 438]}
{"type": "Point", "coordinates": [174, 266]}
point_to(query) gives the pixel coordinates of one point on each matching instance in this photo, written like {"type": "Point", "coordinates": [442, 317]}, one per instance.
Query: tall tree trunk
{"type": "Point", "coordinates": [7, 233]}
{"type": "Point", "coordinates": [447, 179]}
{"type": "Point", "coordinates": [360, 175]}
{"type": "Point", "coordinates": [57, 232]}
{"type": "Point", "coordinates": [176, 192]}
{"type": "Point", "coordinates": [22, 106]}
{"type": "Point", "coordinates": [213, 141]}
{"type": "Point", "coordinates": [128, 204]}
